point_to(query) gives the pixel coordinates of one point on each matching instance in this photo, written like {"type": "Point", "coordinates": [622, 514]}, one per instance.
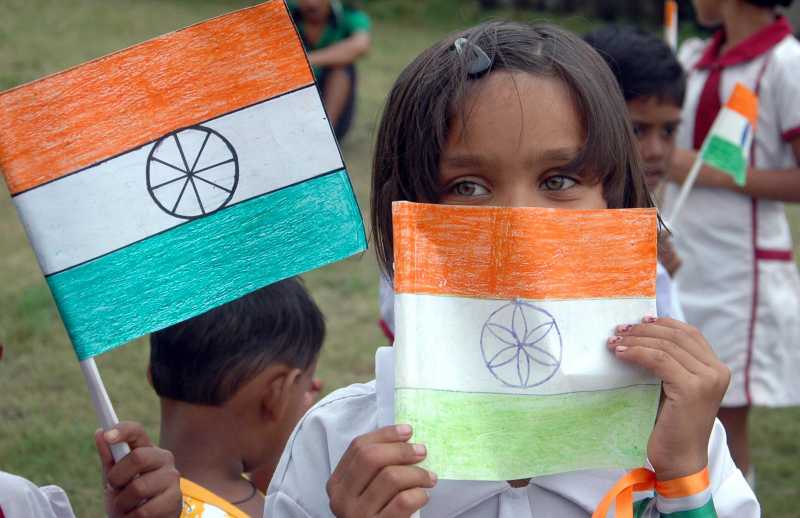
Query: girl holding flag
{"type": "Point", "coordinates": [513, 115]}
{"type": "Point", "coordinates": [739, 284]}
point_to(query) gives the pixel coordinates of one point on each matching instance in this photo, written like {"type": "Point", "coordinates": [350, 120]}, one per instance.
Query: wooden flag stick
{"type": "Point", "coordinates": [672, 219]}
{"type": "Point", "coordinates": [102, 404]}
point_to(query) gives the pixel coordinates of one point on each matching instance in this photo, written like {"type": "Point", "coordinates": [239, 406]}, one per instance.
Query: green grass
{"type": "Point", "coordinates": [46, 421]}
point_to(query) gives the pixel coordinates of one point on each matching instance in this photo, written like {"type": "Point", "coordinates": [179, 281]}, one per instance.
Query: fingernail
{"type": "Point", "coordinates": [621, 349]}
{"type": "Point", "coordinates": [624, 328]}
{"type": "Point", "coordinates": [111, 436]}
{"type": "Point", "coordinates": [434, 478]}
{"type": "Point", "coordinates": [403, 429]}
{"type": "Point", "coordinates": [614, 339]}
{"type": "Point", "coordinates": [420, 450]}
{"type": "Point", "coordinates": [649, 319]}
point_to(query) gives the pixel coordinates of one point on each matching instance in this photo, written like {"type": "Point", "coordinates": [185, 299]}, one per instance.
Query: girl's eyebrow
{"type": "Point", "coordinates": [463, 160]}
{"type": "Point", "coordinates": [562, 154]}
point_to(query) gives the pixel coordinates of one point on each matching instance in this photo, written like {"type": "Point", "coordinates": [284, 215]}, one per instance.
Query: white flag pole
{"type": "Point", "coordinates": [672, 219]}
{"type": "Point", "coordinates": [102, 404]}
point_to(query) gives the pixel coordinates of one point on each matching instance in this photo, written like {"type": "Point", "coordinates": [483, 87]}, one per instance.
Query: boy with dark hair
{"type": "Point", "coordinates": [653, 84]}
{"type": "Point", "coordinates": [233, 383]}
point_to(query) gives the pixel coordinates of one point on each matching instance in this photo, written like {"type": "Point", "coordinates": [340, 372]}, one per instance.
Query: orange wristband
{"type": "Point", "coordinates": [684, 486]}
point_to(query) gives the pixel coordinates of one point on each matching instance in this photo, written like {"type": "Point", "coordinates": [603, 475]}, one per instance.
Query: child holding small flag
{"type": "Point", "coordinates": [233, 383]}
{"type": "Point", "coordinates": [739, 284]}
{"type": "Point", "coordinates": [512, 115]}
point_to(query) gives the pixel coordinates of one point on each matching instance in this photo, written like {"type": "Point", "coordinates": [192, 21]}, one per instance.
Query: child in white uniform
{"type": "Point", "coordinates": [513, 115]}
{"type": "Point", "coordinates": [739, 284]}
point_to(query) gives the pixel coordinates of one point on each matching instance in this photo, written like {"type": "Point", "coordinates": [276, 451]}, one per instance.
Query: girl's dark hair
{"type": "Point", "coordinates": [207, 359]}
{"type": "Point", "coordinates": [420, 108]}
{"type": "Point", "coordinates": [770, 3]}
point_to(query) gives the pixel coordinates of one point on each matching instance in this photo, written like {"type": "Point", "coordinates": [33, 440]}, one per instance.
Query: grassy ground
{"type": "Point", "coordinates": [46, 420]}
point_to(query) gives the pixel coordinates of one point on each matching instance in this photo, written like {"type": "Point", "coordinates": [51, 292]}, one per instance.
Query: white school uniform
{"type": "Point", "coordinates": [320, 439]}
{"type": "Point", "coordinates": [738, 283]}
{"type": "Point", "coordinates": [20, 498]}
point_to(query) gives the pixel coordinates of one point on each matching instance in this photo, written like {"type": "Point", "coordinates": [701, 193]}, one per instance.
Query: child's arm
{"type": "Point", "coordinates": [694, 381]}
{"type": "Point", "coordinates": [778, 184]}
{"type": "Point", "coordinates": [377, 476]}
{"type": "Point", "coordinates": [145, 482]}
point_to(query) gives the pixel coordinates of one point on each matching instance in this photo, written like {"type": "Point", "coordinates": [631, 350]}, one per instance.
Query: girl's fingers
{"type": "Point", "coordinates": [391, 481]}
{"type": "Point", "coordinates": [145, 489]}
{"type": "Point", "coordinates": [683, 357]}
{"type": "Point", "coordinates": [367, 455]}
{"type": "Point", "coordinates": [659, 362]}
{"type": "Point", "coordinates": [404, 504]}
{"type": "Point", "coordinates": [137, 463]}
{"type": "Point", "coordinates": [167, 503]}
{"type": "Point", "coordinates": [128, 432]}
{"type": "Point", "coordinates": [104, 451]}
{"type": "Point", "coordinates": [675, 331]}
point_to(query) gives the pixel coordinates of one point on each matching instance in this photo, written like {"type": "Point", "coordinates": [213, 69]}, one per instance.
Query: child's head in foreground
{"type": "Point", "coordinates": [249, 362]}
{"type": "Point", "coordinates": [653, 84]}
{"type": "Point", "coordinates": [544, 125]}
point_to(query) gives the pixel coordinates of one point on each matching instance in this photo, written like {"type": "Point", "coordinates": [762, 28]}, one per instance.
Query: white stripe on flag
{"type": "Point", "coordinates": [730, 125]}
{"type": "Point", "coordinates": [278, 143]}
{"type": "Point", "coordinates": [565, 342]}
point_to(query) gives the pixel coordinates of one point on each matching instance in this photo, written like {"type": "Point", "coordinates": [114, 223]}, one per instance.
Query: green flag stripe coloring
{"type": "Point", "coordinates": [727, 157]}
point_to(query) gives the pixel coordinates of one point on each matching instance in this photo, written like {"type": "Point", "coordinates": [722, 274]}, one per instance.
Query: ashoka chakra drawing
{"type": "Point", "coordinates": [192, 172]}
{"type": "Point", "coordinates": [521, 345]}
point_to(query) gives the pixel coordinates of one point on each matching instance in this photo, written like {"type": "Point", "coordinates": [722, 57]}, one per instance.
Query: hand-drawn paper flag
{"type": "Point", "coordinates": [502, 320]}
{"type": "Point", "coordinates": [727, 146]}
{"type": "Point", "coordinates": [163, 180]}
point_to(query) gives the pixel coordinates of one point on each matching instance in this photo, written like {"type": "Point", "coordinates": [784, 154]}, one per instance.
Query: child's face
{"type": "Point", "coordinates": [655, 123]}
{"type": "Point", "coordinates": [708, 12]}
{"type": "Point", "coordinates": [519, 132]}
{"type": "Point", "coordinates": [314, 10]}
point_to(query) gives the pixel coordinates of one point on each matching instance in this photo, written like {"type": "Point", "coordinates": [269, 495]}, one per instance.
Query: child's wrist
{"type": "Point", "coordinates": [687, 493]}
{"type": "Point", "coordinates": [681, 467]}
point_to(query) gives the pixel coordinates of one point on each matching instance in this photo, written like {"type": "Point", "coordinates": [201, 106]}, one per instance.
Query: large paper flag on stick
{"type": "Point", "coordinates": [503, 315]}
{"type": "Point", "coordinates": [174, 176]}
{"type": "Point", "coordinates": [727, 146]}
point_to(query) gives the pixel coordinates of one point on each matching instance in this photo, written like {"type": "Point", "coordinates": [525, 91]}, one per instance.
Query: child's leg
{"type": "Point", "coordinates": [735, 421]}
{"type": "Point", "coordinates": [338, 96]}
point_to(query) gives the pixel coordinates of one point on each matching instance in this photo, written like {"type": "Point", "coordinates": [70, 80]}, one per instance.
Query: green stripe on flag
{"type": "Point", "coordinates": [727, 157]}
{"type": "Point", "coordinates": [475, 436]}
{"type": "Point", "coordinates": [207, 262]}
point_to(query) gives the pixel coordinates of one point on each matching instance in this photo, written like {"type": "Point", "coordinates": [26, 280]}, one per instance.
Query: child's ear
{"type": "Point", "coordinates": [281, 390]}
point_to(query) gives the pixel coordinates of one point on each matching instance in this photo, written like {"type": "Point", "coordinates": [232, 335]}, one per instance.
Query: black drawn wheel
{"type": "Point", "coordinates": [192, 172]}
{"type": "Point", "coordinates": [521, 345]}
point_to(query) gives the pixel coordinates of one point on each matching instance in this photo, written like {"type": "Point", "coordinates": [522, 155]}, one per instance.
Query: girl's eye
{"type": "Point", "coordinates": [468, 189]}
{"type": "Point", "coordinates": [558, 183]}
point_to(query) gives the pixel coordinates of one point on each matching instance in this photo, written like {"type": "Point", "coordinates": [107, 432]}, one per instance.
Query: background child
{"type": "Point", "coordinates": [335, 37]}
{"type": "Point", "coordinates": [233, 383]}
{"type": "Point", "coordinates": [739, 284]}
{"type": "Point", "coordinates": [540, 123]}
{"type": "Point", "coordinates": [653, 85]}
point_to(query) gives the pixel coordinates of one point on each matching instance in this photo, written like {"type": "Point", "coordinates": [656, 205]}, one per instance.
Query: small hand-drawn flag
{"type": "Point", "coordinates": [671, 24]}
{"type": "Point", "coordinates": [727, 146]}
{"type": "Point", "coordinates": [166, 179]}
{"type": "Point", "coordinates": [503, 315]}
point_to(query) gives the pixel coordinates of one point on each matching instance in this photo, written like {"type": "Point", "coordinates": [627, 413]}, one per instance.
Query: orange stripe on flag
{"type": "Point", "coordinates": [744, 101]}
{"type": "Point", "coordinates": [670, 12]}
{"type": "Point", "coordinates": [493, 252]}
{"type": "Point", "coordinates": [76, 118]}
